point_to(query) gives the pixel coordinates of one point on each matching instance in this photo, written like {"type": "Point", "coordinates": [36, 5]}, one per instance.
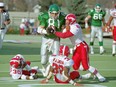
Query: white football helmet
{"type": "Point", "coordinates": [64, 50]}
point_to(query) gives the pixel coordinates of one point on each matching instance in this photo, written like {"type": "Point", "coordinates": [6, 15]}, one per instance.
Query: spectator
{"type": "Point", "coordinates": [4, 21]}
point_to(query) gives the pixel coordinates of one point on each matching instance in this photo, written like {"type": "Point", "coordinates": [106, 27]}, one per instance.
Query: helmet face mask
{"type": "Point", "coordinates": [70, 18]}
{"type": "Point", "coordinates": [98, 8]}
{"type": "Point", "coordinates": [64, 50]}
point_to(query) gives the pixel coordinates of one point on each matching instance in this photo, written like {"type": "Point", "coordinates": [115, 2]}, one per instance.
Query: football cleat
{"type": "Point", "coordinates": [91, 52]}
{"type": "Point", "coordinates": [102, 52]}
{"type": "Point", "coordinates": [86, 76]}
{"type": "Point", "coordinates": [113, 54]}
{"type": "Point", "coordinates": [102, 79]}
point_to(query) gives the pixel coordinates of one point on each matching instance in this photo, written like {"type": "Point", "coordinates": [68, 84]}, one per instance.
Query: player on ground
{"type": "Point", "coordinates": [97, 18]}
{"type": "Point", "coordinates": [54, 17]}
{"type": "Point", "coordinates": [17, 71]}
{"type": "Point", "coordinates": [60, 66]}
{"type": "Point", "coordinates": [113, 16]}
{"type": "Point", "coordinates": [81, 49]}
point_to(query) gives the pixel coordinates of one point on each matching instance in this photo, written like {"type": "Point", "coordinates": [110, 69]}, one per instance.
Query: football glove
{"type": "Point", "coordinates": [50, 29]}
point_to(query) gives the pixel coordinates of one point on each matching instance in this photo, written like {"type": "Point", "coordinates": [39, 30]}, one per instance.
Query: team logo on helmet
{"type": "Point", "coordinates": [71, 18]}
{"type": "Point", "coordinates": [64, 50]}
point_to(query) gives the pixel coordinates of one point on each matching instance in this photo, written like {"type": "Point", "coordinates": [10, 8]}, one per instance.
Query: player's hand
{"type": "Point", "coordinates": [77, 84]}
{"type": "Point", "coordinates": [108, 29]}
{"type": "Point", "coordinates": [44, 81]}
{"type": "Point", "coordinates": [51, 29]}
{"type": "Point", "coordinates": [86, 26]}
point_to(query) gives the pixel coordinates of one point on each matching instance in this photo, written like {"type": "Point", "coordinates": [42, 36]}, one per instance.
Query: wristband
{"type": "Point", "coordinates": [71, 82]}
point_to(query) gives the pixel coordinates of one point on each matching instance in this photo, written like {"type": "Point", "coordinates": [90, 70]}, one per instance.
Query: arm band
{"type": "Point", "coordinates": [71, 82]}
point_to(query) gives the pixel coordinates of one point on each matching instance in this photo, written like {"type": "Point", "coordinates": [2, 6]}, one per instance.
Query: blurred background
{"type": "Point", "coordinates": [29, 10]}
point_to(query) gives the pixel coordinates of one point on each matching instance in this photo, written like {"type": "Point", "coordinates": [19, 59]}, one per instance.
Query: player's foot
{"type": "Point", "coordinates": [92, 52]}
{"type": "Point", "coordinates": [102, 79]}
{"type": "Point", "coordinates": [86, 76]}
{"type": "Point", "coordinates": [102, 51]}
{"type": "Point", "coordinates": [113, 54]}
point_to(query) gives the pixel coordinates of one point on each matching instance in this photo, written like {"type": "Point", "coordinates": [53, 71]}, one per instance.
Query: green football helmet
{"type": "Point", "coordinates": [98, 8]}
{"type": "Point", "coordinates": [54, 8]}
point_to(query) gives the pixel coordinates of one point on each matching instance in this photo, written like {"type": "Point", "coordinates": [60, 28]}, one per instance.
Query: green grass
{"type": "Point", "coordinates": [106, 64]}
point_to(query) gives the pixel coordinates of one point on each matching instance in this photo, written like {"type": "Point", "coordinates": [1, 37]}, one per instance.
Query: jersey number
{"type": "Point", "coordinates": [97, 16]}
{"type": "Point", "coordinates": [57, 68]}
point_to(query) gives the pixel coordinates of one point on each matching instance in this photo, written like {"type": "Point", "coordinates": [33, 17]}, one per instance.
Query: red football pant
{"type": "Point", "coordinates": [73, 75]}
{"type": "Point", "coordinates": [81, 56]}
{"type": "Point", "coordinates": [114, 33]}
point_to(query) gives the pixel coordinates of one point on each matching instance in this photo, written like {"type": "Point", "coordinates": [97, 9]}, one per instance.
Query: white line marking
{"type": "Point", "coordinates": [84, 85]}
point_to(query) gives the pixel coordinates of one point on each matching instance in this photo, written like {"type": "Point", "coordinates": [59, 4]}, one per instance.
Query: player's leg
{"type": "Point", "coordinates": [2, 34]}
{"type": "Point", "coordinates": [56, 45]}
{"type": "Point", "coordinates": [95, 72]}
{"type": "Point", "coordinates": [44, 53]}
{"type": "Point", "coordinates": [114, 42]}
{"type": "Point", "coordinates": [100, 38]}
{"type": "Point", "coordinates": [92, 38]}
{"type": "Point", "coordinates": [76, 58]}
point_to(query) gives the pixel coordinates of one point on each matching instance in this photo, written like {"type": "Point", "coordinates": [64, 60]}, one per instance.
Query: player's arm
{"type": "Point", "coordinates": [86, 21]}
{"type": "Point", "coordinates": [110, 20]}
{"type": "Point", "coordinates": [41, 28]}
{"type": "Point", "coordinates": [48, 76]}
{"type": "Point", "coordinates": [67, 77]}
{"type": "Point", "coordinates": [103, 20]}
{"type": "Point", "coordinates": [64, 35]}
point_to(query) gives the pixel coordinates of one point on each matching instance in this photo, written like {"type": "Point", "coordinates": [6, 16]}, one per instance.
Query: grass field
{"type": "Point", "coordinates": [106, 64]}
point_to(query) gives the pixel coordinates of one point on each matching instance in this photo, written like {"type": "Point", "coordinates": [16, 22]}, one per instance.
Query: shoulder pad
{"type": "Point", "coordinates": [91, 10]}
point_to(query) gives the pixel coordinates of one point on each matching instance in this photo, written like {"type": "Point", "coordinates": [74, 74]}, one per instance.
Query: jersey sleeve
{"type": "Point", "coordinates": [42, 19]}
{"type": "Point", "coordinates": [90, 12]}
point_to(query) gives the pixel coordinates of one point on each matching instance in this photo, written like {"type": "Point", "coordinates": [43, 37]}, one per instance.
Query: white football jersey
{"type": "Point", "coordinates": [113, 14]}
{"type": "Point", "coordinates": [77, 31]}
{"type": "Point", "coordinates": [15, 73]}
{"type": "Point", "coordinates": [58, 63]}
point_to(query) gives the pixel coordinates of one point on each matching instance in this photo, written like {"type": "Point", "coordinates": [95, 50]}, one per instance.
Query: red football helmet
{"type": "Point", "coordinates": [15, 63]}
{"type": "Point", "coordinates": [64, 50]}
{"type": "Point", "coordinates": [71, 17]}
{"type": "Point", "coordinates": [16, 60]}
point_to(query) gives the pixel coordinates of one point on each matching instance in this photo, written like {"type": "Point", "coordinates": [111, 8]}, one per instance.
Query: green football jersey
{"type": "Point", "coordinates": [96, 17]}
{"type": "Point", "coordinates": [46, 21]}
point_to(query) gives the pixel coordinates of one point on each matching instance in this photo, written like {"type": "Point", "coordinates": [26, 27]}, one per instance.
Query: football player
{"type": "Point", "coordinates": [80, 55]}
{"type": "Point", "coordinates": [113, 16]}
{"type": "Point", "coordinates": [97, 18]}
{"type": "Point", "coordinates": [17, 71]}
{"type": "Point", "coordinates": [60, 66]}
{"type": "Point", "coordinates": [50, 42]}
